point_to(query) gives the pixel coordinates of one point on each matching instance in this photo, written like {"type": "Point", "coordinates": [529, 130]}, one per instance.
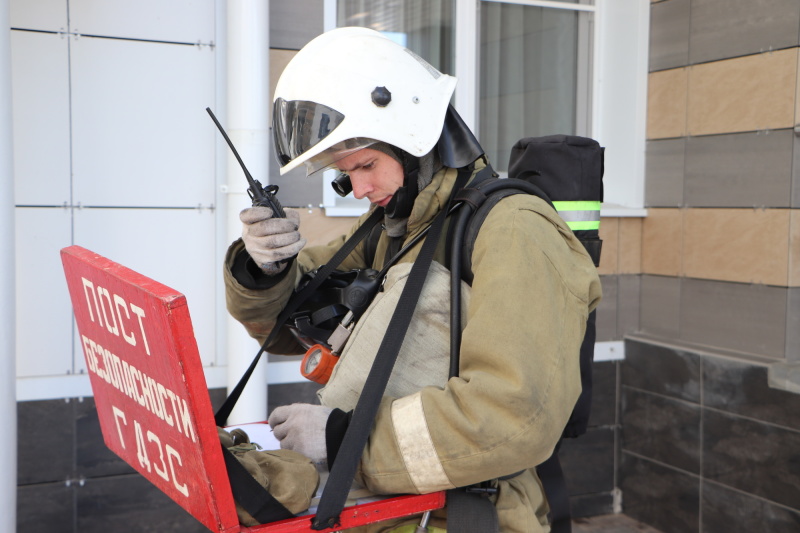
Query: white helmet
{"type": "Point", "coordinates": [349, 88]}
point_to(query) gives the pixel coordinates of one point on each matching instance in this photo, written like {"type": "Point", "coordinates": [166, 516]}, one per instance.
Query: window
{"type": "Point", "coordinates": [530, 68]}
{"type": "Point", "coordinates": [534, 75]}
{"type": "Point", "coordinates": [424, 26]}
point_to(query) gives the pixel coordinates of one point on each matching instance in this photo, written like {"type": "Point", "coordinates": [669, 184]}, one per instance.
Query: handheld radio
{"type": "Point", "coordinates": [260, 195]}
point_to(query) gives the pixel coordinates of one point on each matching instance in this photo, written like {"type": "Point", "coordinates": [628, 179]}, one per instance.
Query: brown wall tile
{"type": "Point", "coordinates": [661, 242]}
{"type": "Point", "coordinates": [278, 59]}
{"type": "Point", "coordinates": [745, 318]}
{"type": "Point", "coordinates": [744, 94]}
{"type": "Point", "coordinates": [664, 172]}
{"type": "Point", "coordinates": [722, 29]}
{"type": "Point", "coordinates": [630, 245]}
{"type": "Point", "coordinates": [629, 298]}
{"type": "Point", "coordinates": [666, 103]}
{"type": "Point", "coordinates": [609, 233]}
{"type": "Point", "coordinates": [669, 34]}
{"type": "Point", "coordinates": [660, 306]}
{"type": "Point", "coordinates": [742, 245]}
{"type": "Point", "coordinates": [607, 309]}
{"type": "Point", "coordinates": [794, 249]}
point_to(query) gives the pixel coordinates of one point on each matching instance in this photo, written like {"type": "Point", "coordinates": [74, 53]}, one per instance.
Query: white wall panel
{"type": "Point", "coordinates": [44, 313]}
{"type": "Point", "coordinates": [186, 21]}
{"type": "Point", "coordinates": [47, 15]}
{"type": "Point", "coordinates": [172, 246]}
{"type": "Point", "coordinates": [40, 85]}
{"type": "Point", "coordinates": [140, 132]}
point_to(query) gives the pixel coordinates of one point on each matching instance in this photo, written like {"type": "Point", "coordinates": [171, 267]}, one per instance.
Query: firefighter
{"type": "Point", "coordinates": [354, 101]}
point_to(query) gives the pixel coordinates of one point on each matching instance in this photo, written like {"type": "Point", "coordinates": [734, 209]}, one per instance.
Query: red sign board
{"type": "Point", "coordinates": [152, 399]}
{"type": "Point", "coordinates": [148, 383]}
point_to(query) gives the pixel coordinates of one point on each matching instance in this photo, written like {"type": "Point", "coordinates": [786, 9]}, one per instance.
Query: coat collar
{"type": "Point", "coordinates": [434, 197]}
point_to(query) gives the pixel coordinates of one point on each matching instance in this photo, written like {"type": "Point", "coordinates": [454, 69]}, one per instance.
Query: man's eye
{"type": "Point", "coordinates": [369, 165]}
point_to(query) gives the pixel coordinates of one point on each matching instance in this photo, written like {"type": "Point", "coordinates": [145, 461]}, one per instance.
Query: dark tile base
{"type": "Point", "coordinates": [662, 497]}
{"type": "Point", "coordinates": [131, 504]}
{"type": "Point", "coordinates": [714, 453]}
{"type": "Point", "coordinates": [68, 481]}
{"type": "Point", "coordinates": [45, 508]}
{"type": "Point", "coordinates": [588, 462]}
{"type": "Point", "coordinates": [729, 511]}
{"type": "Point", "coordinates": [592, 505]}
{"type": "Point", "coordinates": [662, 429]}
{"type": "Point", "coordinates": [45, 429]}
{"type": "Point", "coordinates": [753, 457]}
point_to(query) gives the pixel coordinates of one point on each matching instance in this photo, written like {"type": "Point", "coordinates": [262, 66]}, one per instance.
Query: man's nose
{"type": "Point", "coordinates": [361, 187]}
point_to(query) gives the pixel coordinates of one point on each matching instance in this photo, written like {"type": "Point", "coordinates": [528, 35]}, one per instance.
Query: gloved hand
{"type": "Point", "coordinates": [301, 427]}
{"type": "Point", "coordinates": [269, 240]}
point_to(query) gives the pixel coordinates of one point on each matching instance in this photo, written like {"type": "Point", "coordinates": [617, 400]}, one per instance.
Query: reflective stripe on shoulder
{"type": "Point", "coordinates": [416, 445]}
{"type": "Point", "coordinates": [579, 215]}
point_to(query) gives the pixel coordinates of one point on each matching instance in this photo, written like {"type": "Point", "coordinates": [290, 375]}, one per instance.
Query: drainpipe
{"type": "Point", "coordinates": [8, 373]}
{"type": "Point", "coordinates": [466, 97]}
{"type": "Point", "coordinates": [248, 127]}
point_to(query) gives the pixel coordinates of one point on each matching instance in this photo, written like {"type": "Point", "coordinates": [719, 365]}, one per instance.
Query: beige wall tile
{"type": "Point", "coordinates": [662, 232]}
{"type": "Point", "coordinates": [630, 245]}
{"type": "Point", "coordinates": [317, 228]}
{"type": "Point", "coordinates": [742, 245]}
{"type": "Point", "coordinates": [797, 93]}
{"type": "Point", "coordinates": [794, 249]}
{"type": "Point", "coordinates": [743, 94]}
{"type": "Point", "coordinates": [666, 103]}
{"type": "Point", "coordinates": [278, 59]}
{"type": "Point", "coordinates": [609, 233]}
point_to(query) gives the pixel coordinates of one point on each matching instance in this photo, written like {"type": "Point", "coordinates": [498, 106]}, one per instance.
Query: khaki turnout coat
{"type": "Point", "coordinates": [534, 286]}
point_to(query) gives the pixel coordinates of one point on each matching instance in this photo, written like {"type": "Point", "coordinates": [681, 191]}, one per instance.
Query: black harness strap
{"type": "Point", "coordinates": [248, 493]}
{"type": "Point", "coordinates": [469, 512]}
{"type": "Point", "coordinates": [355, 438]}
{"type": "Point", "coordinates": [555, 489]}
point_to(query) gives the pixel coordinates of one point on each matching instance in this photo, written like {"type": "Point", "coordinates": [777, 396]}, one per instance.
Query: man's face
{"type": "Point", "coordinates": [373, 174]}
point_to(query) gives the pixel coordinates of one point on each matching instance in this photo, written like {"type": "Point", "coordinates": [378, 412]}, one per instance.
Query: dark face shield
{"type": "Point", "coordinates": [299, 125]}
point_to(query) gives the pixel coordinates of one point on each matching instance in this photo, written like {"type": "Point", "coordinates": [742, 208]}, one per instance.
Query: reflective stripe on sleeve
{"type": "Point", "coordinates": [416, 445]}
{"type": "Point", "coordinates": [579, 215]}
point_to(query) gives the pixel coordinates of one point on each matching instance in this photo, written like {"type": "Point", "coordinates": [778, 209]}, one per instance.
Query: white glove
{"type": "Point", "coordinates": [269, 240]}
{"type": "Point", "coordinates": [301, 427]}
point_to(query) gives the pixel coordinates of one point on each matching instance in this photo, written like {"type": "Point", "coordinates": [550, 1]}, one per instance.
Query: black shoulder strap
{"type": "Point", "coordinates": [371, 244]}
{"type": "Point", "coordinates": [295, 301]}
{"type": "Point", "coordinates": [344, 468]}
{"type": "Point", "coordinates": [556, 492]}
{"type": "Point", "coordinates": [248, 493]}
{"type": "Point", "coordinates": [487, 195]}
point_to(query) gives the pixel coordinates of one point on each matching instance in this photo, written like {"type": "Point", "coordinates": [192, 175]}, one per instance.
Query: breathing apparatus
{"type": "Point", "coordinates": [323, 322]}
{"type": "Point", "coordinates": [379, 92]}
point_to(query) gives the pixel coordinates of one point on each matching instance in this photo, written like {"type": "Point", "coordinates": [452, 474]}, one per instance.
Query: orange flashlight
{"type": "Point", "coordinates": [318, 364]}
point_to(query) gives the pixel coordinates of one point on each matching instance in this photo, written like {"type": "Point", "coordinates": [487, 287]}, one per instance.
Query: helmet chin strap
{"type": "Point", "coordinates": [403, 200]}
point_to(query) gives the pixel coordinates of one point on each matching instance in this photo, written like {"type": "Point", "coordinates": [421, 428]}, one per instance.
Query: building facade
{"type": "Point", "coordinates": [709, 383]}
{"type": "Point", "coordinates": [694, 423]}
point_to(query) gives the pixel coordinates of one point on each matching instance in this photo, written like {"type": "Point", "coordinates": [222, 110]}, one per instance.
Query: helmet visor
{"type": "Point", "coordinates": [298, 125]}
{"type": "Point", "coordinates": [328, 158]}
